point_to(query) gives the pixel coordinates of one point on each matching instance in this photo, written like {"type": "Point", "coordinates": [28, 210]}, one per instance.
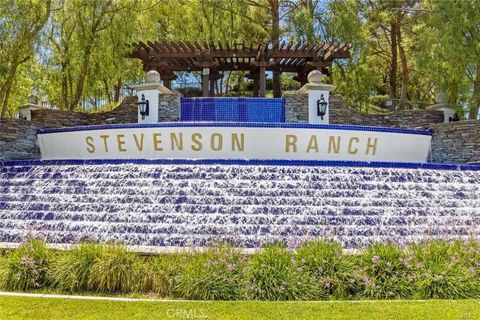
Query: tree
{"type": "Point", "coordinates": [451, 37]}
{"type": "Point", "coordinates": [22, 21]}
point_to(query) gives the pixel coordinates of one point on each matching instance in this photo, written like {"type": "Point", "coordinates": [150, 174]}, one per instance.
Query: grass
{"type": "Point", "coordinates": [53, 308]}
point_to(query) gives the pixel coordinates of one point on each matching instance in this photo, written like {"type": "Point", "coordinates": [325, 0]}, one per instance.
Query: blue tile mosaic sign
{"type": "Point", "coordinates": [232, 109]}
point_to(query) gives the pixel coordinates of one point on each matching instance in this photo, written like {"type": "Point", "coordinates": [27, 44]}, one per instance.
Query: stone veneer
{"type": "Point", "coordinates": [18, 140]}
{"type": "Point", "coordinates": [126, 112]}
{"type": "Point", "coordinates": [340, 113]}
{"type": "Point", "coordinates": [169, 107]}
{"type": "Point", "coordinates": [456, 142]}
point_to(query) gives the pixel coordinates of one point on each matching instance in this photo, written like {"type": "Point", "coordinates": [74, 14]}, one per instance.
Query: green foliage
{"type": "Point", "coordinates": [26, 267]}
{"type": "Point", "coordinates": [316, 270]}
{"type": "Point", "coordinates": [215, 274]}
{"type": "Point", "coordinates": [387, 272]}
{"type": "Point", "coordinates": [274, 275]}
{"type": "Point", "coordinates": [166, 269]}
{"type": "Point", "coordinates": [71, 270]}
{"type": "Point", "coordinates": [325, 262]}
{"type": "Point", "coordinates": [114, 270]}
{"type": "Point", "coordinates": [442, 271]}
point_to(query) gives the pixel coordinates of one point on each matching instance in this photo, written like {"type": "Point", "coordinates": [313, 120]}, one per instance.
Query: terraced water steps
{"type": "Point", "coordinates": [193, 204]}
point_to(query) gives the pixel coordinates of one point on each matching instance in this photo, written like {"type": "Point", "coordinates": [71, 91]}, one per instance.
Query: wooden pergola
{"type": "Point", "coordinates": [214, 58]}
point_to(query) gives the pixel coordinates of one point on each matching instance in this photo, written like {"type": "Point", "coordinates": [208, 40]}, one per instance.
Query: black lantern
{"type": "Point", "coordinates": [143, 107]}
{"type": "Point", "coordinates": [321, 107]}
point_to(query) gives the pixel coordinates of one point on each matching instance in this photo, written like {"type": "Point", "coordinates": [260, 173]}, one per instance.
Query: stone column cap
{"type": "Point", "coordinates": [440, 106]}
{"type": "Point", "coordinates": [316, 86]}
{"type": "Point", "coordinates": [152, 86]}
{"type": "Point", "coordinates": [315, 83]}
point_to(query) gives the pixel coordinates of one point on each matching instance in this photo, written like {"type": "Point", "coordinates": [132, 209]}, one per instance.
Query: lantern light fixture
{"type": "Point", "coordinates": [322, 106]}
{"type": "Point", "coordinates": [143, 107]}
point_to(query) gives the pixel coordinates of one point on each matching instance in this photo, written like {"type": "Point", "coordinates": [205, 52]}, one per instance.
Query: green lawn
{"type": "Point", "coordinates": [43, 308]}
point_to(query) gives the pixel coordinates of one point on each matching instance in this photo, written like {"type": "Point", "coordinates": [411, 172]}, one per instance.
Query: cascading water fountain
{"type": "Point", "coordinates": [244, 183]}
{"type": "Point", "coordinates": [248, 205]}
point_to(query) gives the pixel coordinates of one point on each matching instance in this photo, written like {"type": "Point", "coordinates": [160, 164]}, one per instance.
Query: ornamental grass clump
{"type": "Point", "coordinates": [26, 267]}
{"type": "Point", "coordinates": [114, 270]}
{"type": "Point", "coordinates": [387, 272]}
{"type": "Point", "coordinates": [166, 269]}
{"type": "Point", "coordinates": [442, 272]}
{"type": "Point", "coordinates": [273, 274]}
{"type": "Point", "coordinates": [215, 274]}
{"type": "Point", "coordinates": [71, 270]}
{"type": "Point", "coordinates": [325, 262]}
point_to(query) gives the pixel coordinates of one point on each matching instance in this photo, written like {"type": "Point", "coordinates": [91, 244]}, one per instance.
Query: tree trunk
{"type": "Point", "coordinates": [393, 63]}
{"type": "Point", "coordinates": [275, 38]}
{"type": "Point", "coordinates": [7, 88]}
{"type": "Point", "coordinates": [476, 95]}
{"type": "Point", "coordinates": [117, 87]}
{"type": "Point", "coordinates": [81, 79]}
{"type": "Point", "coordinates": [404, 72]}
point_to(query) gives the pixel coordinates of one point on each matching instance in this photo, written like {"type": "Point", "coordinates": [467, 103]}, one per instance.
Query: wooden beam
{"type": "Point", "coordinates": [205, 81]}
{"type": "Point", "coordinates": [261, 82]}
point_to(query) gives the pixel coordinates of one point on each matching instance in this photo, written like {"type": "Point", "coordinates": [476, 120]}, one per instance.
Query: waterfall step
{"type": "Point", "coordinates": [198, 204]}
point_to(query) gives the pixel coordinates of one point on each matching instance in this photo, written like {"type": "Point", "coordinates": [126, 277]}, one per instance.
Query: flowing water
{"type": "Point", "coordinates": [195, 205]}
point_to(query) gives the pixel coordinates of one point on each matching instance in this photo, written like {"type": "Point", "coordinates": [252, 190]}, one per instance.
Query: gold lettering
{"type": "Point", "coordinates": [238, 143]}
{"type": "Point", "coordinates": [219, 142]}
{"type": "Point", "coordinates": [312, 144]}
{"type": "Point", "coordinates": [372, 146]}
{"type": "Point", "coordinates": [334, 145]}
{"type": "Point", "coordinates": [139, 144]}
{"type": "Point", "coordinates": [91, 146]}
{"type": "Point", "coordinates": [157, 141]}
{"type": "Point", "coordinates": [105, 137]}
{"type": "Point", "coordinates": [121, 142]}
{"type": "Point", "coordinates": [176, 141]}
{"type": "Point", "coordinates": [197, 142]}
{"type": "Point", "coordinates": [352, 150]}
{"type": "Point", "coordinates": [290, 140]}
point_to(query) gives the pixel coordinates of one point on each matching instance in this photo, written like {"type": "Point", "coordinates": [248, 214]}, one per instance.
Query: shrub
{"type": "Point", "coordinates": [387, 272]}
{"type": "Point", "coordinates": [215, 274]}
{"type": "Point", "coordinates": [166, 269]}
{"type": "Point", "coordinates": [71, 271]}
{"type": "Point", "coordinates": [441, 272]}
{"type": "Point", "coordinates": [26, 267]}
{"type": "Point", "coordinates": [326, 263]}
{"type": "Point", "coordinates": [274, 275]}
{"type": "Point", "coordinates": [114, 270]}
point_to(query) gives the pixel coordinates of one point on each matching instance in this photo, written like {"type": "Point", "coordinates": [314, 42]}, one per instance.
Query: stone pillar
{"type": "Point", "coordinates": [25, 111]}
{"type": "Point", "coordinates": [443, 105]}
{"type": "Point", "coordinates": [317, 93]}
{"type": "Point", "coordinates": [151, 89]}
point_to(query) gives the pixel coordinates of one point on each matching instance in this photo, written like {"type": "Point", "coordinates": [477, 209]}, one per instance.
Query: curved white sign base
{"type": "Point", "coordinates": [263, 141]}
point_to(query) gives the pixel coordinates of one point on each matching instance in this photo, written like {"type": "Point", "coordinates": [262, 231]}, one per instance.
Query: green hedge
{"type": "Point", "coordinates": [316, 270]}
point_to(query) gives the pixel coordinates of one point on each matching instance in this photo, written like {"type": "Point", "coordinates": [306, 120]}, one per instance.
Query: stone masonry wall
{"type": "Point", "coordinates": [169, 107]}
{"type": "Point", "coordinates": [340, 113]}
{"type": "Point", "coordinates": [456, 142]}
{"type": "Point", "coordinates": [126, 112]}
{"type": "Point", "coordinates": [18, 140]}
